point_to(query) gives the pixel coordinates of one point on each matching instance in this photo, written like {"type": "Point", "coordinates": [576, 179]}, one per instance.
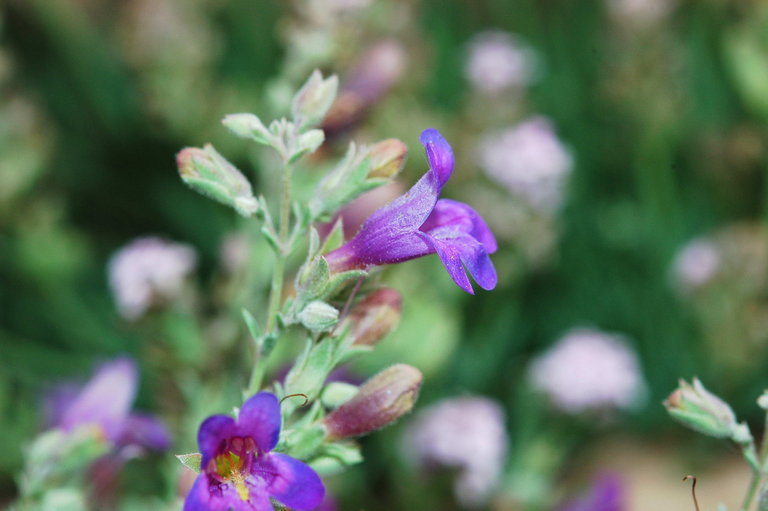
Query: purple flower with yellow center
{"type": "Point", "coordinates": [240, 473]}
{"type": "Point", "coordinates": [419, 223]}
{"type": "Point", "coordinates": [105, 402]}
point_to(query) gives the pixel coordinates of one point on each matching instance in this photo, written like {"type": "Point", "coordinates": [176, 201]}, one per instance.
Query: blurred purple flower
{"type": "Point", "coordinates": [148, 269]}
{"type": "Point", "coordinates": [418, 224]}
{"type": "Point", "coordinates": [605, 495]}
{"type": "Point", "coordinates": [238, 470]}
{"type": "Point", "coordinates": [497, 60]}
{"type": "Point", "coordinates": [467, 434]}
{"type": "Point", "coordinates": [379, 68]}
{"type": "Point", "coordinates": [589, 370]}
{"type": "Point", "coordinates": [105, 402]}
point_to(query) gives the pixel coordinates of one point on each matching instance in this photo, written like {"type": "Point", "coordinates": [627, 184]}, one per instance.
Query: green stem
{"type": "Point", "coordinates": [750, 452]}
{"type": "Point", "coordinates": [278, 277]}
{"type": "Point", "coordinates": [751, 491]}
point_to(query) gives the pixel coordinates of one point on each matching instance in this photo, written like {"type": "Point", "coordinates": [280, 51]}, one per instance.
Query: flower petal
{"type": "Point", "coordinates": [462, 218]}
{"type": "Point", "coordinates": [451, 259]}
{"type": "Point", "coordinates": [106, 399]}
{"type": "Point", "coordinates": [145, 431]}
{"type": "Point", "coordinates": [260, 419]}
{"type": "Point", "coordinates": [224, 497]}
{"type": "Point", "coordinates": [457, 249]}
{"type": "Point", "coordinates": [294, 484]}
{"type": "Point", "coordinates": [213, 431]}
{"type": "Point", "coordinates": [389, 234]}
{"type": "Point", "coordinates": [439, 154]}
{"type": "Point", "coordinates": [200, 497]}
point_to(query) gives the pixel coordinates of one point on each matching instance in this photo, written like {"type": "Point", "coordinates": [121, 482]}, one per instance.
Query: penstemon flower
{"type": "Point", "coordinates": [418, 224]}
{"type": "Point", "coordinates": [239, 472]}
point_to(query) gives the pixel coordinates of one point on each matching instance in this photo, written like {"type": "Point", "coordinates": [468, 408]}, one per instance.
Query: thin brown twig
{"type": "Point", "coordinates": [348, 303]}
{"type": "Point", "coordinates": [693, 490]}
{"type": "Point", "coordinates": [306, 398]}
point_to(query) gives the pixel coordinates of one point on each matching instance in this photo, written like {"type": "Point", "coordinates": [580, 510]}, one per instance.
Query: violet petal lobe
{"type": "Point", "coordinates": [461, 217]}
{"type": "Point", "coordinates": [456, 249]}
{"type": "Point", "coordinates": [200, 497]}
{"type": "Point", "coordinates": [260, 419]}
{"type": "Point", "coordinates": [439, 154]}
{"type": "Point", "coordinates": [451, 259]}
{"type": "Point", "coordinates": [106, 399]}
{"type": "Point", "coordinates": [213, 431]}
{"type": "Point", "coordinates": [293, 483]}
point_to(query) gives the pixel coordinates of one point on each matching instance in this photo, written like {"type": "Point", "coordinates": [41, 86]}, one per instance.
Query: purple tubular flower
{"type": "Point", "coordinates": [238, 471]}
{"type": "Point", "coordinates": [105, 401]}
{"type": "Point", "coordinates": [419, 223]}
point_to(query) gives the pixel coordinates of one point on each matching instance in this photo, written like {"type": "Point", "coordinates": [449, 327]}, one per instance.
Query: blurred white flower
{"type": "Point", "coordinates": [529, 161]}
{"type": "Point", "coordinates": [644, 12]}
{"type": "Point", "coordinates": [696, 263]}
{"type": "Point", "coordinates": [466, 434]}
{"type": "Point", "coordinates": [497, 60]}
{"type": "Point", "coordinates": [148, 269]}
{"type": "Point", "coordinates": [589, 370]}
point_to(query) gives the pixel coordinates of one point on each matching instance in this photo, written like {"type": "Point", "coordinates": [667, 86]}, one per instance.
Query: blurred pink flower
{"type": "Point", "coordinates": [496, 60]}
{"type": "Point", "coordinates": [465, 433]}
{"type": "Point", "coordinates": [529, 161]}
{"type": "Point", "coordinates": [589, 370]}
{"type": "Point", "coordinates": [148, 269]}
{"type": "Point", "coordinates": [696, 263]}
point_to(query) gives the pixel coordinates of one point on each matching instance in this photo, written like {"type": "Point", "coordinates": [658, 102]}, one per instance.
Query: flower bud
{"type": "Point", "coordinates": [206, 171]}
{"type": "Point", "coordinates": [696, 407]}
{"type": "Point", "coordinates": [248, 126]}
{"type": "Point", "coordinates": [387, 158]}
{"type": "Point", "coordinates": [374, 317]}
{"type": "Point", "coordinates": [381, 400]}
{"type": "Point", "coordinates": [319, 316]}
{"type": "Point", "coordinates": [337, 393]}
{"type": "Point", "coordinates": [314, 100]}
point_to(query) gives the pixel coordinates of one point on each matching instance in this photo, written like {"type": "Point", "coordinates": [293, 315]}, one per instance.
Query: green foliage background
{"type": "Point", "coordinates": [668, 126]}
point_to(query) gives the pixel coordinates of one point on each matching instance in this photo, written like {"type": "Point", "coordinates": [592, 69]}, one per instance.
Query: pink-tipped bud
{"type": "Point", "coordinates": [374, 317]}
{"type": "Point", "coordinates": [209, 173]}
{"type": "Point", "coordinates": [696, 407]}
{"type": "Point", "coordinates": [380, 401]}
{"type": "Point", "coordinates": [387, 158]}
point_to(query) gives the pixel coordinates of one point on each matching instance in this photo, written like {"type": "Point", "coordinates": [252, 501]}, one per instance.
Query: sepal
{"type": "Point", "coordinates": [191, 461]}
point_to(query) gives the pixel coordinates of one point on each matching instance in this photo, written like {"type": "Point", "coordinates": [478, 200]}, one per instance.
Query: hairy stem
{"type": "Point", "coordinates": [278, 277]}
